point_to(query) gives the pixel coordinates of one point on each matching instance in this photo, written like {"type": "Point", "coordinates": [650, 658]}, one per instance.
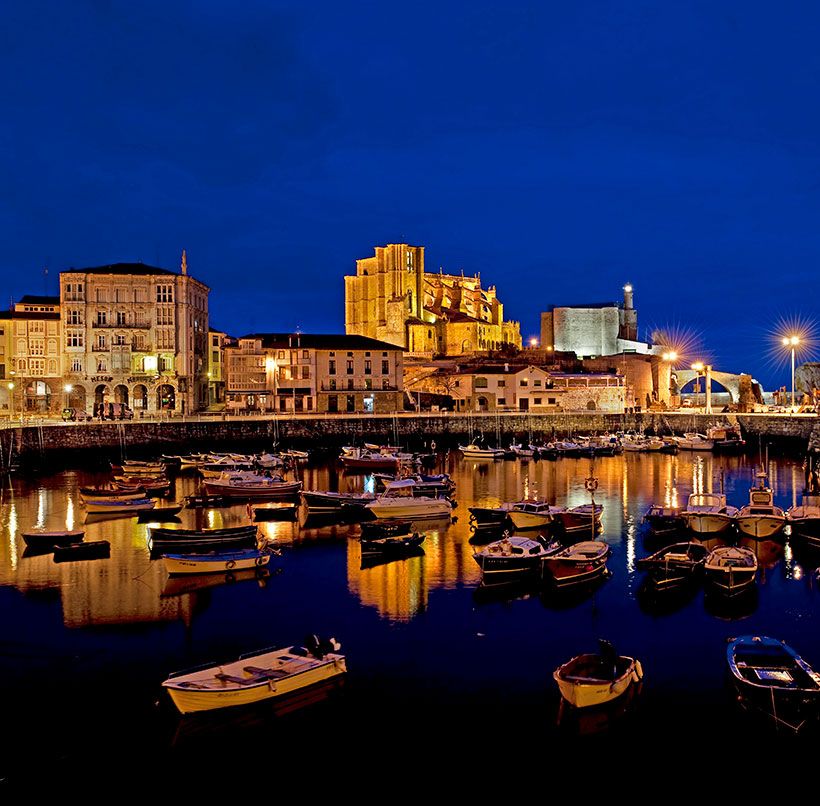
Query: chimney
{"type": "Point", "coordinates": [184, 264]}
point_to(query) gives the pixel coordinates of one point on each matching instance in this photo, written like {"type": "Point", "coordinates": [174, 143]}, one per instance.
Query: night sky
{"type": "Point", "coordinates": [559, 149]}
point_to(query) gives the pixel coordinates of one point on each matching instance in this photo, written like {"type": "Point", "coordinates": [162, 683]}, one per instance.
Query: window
{"type": "Point", "coordinates": [385, 367]}
{"type": "Point", "coordinates": [165, 316]}
{"type": "Point", "coordinates": [101, 342]}
{"type": "Point", "coordinates": [75, 318]}
{"type": "Point", "coordinates": [368, 384]}
{"type": "Point", "coordinates": [502, 401]}
{"type": "Point", "coordinates": [384, 355]}
{"type": "Point", "coordinates": [74, 340]}
{"type": "Point", "coordinates": [37, 366]}
{"type": "Point", "coordinates": [102, 318]}
{"type": "Point", "coordinates": [101, 295]}
{"type": "Point", "coordinates": [502, 384]}
{"type": "Point", "coordinates": [368, 367]}
{"type": "Point", "coordinates": [76, 364]}
{"type": "Point", "coordinates": [331, 367]}
{"type": "Point", "coordinates": [524, 382]}
{"type": "Point", "coordinates": [21, 365]}
{"type": "Point", "coordinates": [350, 383]}
{"type": "Point", "coordinates": [280, 355]}
{"type": "Point", "coordinates": [121, 295]}
{"type": "Point", "coordinates": [551, 401]}
{"type": "Point", "coordinates": [165, 293]}
{"type": "Point", "coordinates": [332, 353]}
{"type": "Point", "coordinates": [350, 355]}
{"type": "Point", "coordinates": [165, 364]}
{"type": "Point", "coordinates": [119, 340]}
{"type": "Point", "coordinates": [36, 327]}
{"type": "Point", "coordinates": [537, 401]}
{"type": "Point", "coordinates": [52, 367]}
{"type": "Point", "coordinates": [102, 365]}
{"type": "Point", "coordinates": [367, 355]}
{"type": "Point", "coordinates": [121, 318]}
{"type": "Point", "coordinates": [140, 295]}
{"type": "Point", "coordinates": [333, 403]}
{"type": "Point", "coordinates": [332, 384]}
{"type": "Point", "coordinates": [36, 348]}
{"type": "Point", "coordinates": [349, 367]}
{"type": "Point", "coordinates": [215, 357]}
{"type": "Point", "coordinates": [536, 383]}
{"type": "Point", "coordinates": [305, 373]}
{"type": "Point", "coordinates": [215, 341]}
{"type": "Point", "coordinates": [351, 403]}
{"type": "Point", "coordinates": [305, 354]}
{"type": "Point", "coordinates": [480, 383]}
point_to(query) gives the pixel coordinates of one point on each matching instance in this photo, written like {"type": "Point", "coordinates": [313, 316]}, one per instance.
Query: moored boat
{"type": "Point", "coordinates": [805, 521]}
{"type": "Point", "coordinates": [489, 517]}
{"type": "Point", "coordinates": [318, 501]}
{"type": "Point", "coordinates": [675, 565]}
{"type": "Point", "coordinates": [708, 513]}
{"type": "Point", "coordinates": [663, 519]}
{"type": "Point", "coordinates": [398, 501]}
{"type": "Point", "coordinates": [163, 540]}
{"type": "Point", "coordinates": [771, 677]}
{"type": "Point", "coordinates": [595, 679]}
{"type": "Point", "coordinates": [95, 549]}
{"type": "Point", "coordinates": [392, 544]}
{"type": "Point", "coordinates": [106, 492]}
{"type": "Point", "coordinates": [760, 518]}
{"type": "Point", "coordinates": [693, 441]}
{"type": "Point", "coordinates": [256, 677]}
{"type": "Point", "coordinates": [727, 438]}
{"type": "Point", "coordinates": [255, 487]}
{"type": "Point", "coordinates": [513, 555]}
{"type": "Point", "coordinates": [473, 451]}
{"type": "Point", "coordinates": [578, 564]}
{"type": "Point", "coordinates": [43, 538]}
{"type": "Point", "coordinates": [101, 506]}
{"type": "Point", "coordinates": [385, 527]}
{"type": "Point", "coordinates": [364, 459]}
{"type": "Point", "coordinates": [216, 562]}
{"type": "Point", "coordinates": [530, 514]}
{"type": "Point", "coordinates": [731, 570]}
{"type": "Point", "coordinates": [578, 519]}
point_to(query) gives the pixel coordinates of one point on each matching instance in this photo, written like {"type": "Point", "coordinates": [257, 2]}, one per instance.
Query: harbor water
{"type": "Point", "coordinates": [433, 656]}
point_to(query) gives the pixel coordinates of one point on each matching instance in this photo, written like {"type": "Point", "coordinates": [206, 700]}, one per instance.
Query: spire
{"type": "Point", "coordinates": [184, 264]}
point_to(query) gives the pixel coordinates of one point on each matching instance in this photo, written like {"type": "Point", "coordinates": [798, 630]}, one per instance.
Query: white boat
{"type": "Point", "coordinates": [216, 562]}
{"type": "Point", "coordinates": [398, 501]}
{"type": "Point", "coordinates": [731, 569]}
{"type": "Point", "coordinates": [639, 444]}
{"type": "Point", "coordinates": [760, 517]}
{"type": "Point", "coordinates": [695, 442]}
{"type": "Point", "coordinates": [805, 521]}
{"type": "Point", "coordinates": [473, 451]}
{"type": "Point", "coordinates": [255, 677]}
{"type": "Point", "coordinates": [512, 556]}
{"type": "Point", "coordinates": [253, 486]}
{"type": "Point", "coordinates": [104, 505]}
{"type": "Point", "coordinates": [521, 452]}
{"type": "Point", "coordinates": [708, 513]}
{"type": "Point", "coordinates": [530, 514]}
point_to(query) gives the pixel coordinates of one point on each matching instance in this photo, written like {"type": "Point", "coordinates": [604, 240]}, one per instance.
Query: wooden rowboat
{"type": "Point", "coordinates": [256, 677]}
{"type": "Point", "coordinates": [41, 538]}
{"type": "Point", "coordinates": [93, 550]}
{"type": "Point", "coordinates": [103, 505]}
{"type": "Point", "coordinates": [595, 679]}
{"type": "Point", "coordinates": [216, 562]}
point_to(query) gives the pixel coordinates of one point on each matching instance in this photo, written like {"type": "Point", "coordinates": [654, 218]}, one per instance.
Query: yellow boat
{"type": "Point", "coordinates": [589, 680]}
{"type": "Point", "coordinates": [256, 677]}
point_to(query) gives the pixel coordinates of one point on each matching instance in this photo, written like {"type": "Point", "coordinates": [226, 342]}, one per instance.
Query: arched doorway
{"type": "Point", "coordinates": [166, 397]}
{"type": "Point", "coordinates": [101, 394]}
{"type": "Point", "coordinates": [121, 394]}
{"type": "Point", "coordinates": [141, 397]}
{"type": "Point", "coordinates": [38, 397]}
{"type": "Point", "coordinates": [591, 405]}
{"type": "Point", "coordinates": [76, 398]}
{"type": "Point", "coordinates": [482, 404]}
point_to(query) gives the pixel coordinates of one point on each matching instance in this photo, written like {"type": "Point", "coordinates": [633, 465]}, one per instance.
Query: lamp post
{"type": "Point", "coordinates": [11, 399]}
{"type": "Point", "coordinates": [670, 358]}
{"type": "Point", "coordinates": [792, 342]}
{"type": "Point", "coordinates": [67, 389]}
{"type": "Point", "coordinates": [698, 367]}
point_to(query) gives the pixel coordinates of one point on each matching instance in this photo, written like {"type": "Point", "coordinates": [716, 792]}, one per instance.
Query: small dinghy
{"type": "Point", "coordinates": [513, 556]}
{"type": "Point", "coordinates": [162, 540]}
{"type": "Point", "coordinates": [385, 527]}
{"type": "Point", "coordinates": [105, 492]}
{"type": "Point", "coordinates": [578, 564]}
{"type": "Point", "coordinates": [771, 677]}
{"type": "Point", "coordinates": [663, 520]}
{"type": "Point", "coordinates": [94, 550]}
{"type": "Point", "coordinates": [44, 539]}
{"type": "Point", "coordinates": [256, 677]}
{"type": "Point", "coordinates": [675, 565]}
{"type": "Point", "coordinates": [595, 679]}
{"type": "Point", "coordinates": [396, 544]}
{"type": "Point", "coordinates": [318, 501]}
{"type": "Point", "coordinates": [731, 570]}
{"type": "Point", "coordinates": [217, 562]}
{"type": "Point", "coordinates": [489, 517]}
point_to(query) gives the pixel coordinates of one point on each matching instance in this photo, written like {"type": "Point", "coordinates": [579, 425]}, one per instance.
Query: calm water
{"type": "Point", "coordinates": [431, 654]}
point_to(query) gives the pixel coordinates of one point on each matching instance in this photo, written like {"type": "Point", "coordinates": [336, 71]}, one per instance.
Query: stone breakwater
{"type": "Point", "coordinates": [80, 444]}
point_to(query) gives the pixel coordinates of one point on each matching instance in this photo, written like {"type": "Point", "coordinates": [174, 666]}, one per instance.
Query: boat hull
{"type": "Point", "coordinates": [731, 581]}
{"type": "Point", "coordinates": [528, 520]}
{"type": "Point", "coordinates": [707, 523]}
{"type": "Point", "coordinates": [255, 492]}
{"type": "Point", "coordinates": [413, 509]}
{"type": "Point", "coordinates": [488, 518]}
{"type": "Point", "coordinates": [191, 564]}
{"type": "Point", "coordinates": [589, 693]}
{"type": "Point", "coordinates": [761, 526]}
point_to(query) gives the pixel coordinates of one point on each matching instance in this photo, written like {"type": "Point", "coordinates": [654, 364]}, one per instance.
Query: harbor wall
{"type": "Point", "coordinates": [67, 444]}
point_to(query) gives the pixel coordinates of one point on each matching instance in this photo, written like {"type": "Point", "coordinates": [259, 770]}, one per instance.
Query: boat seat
{"type": "Point", "coordinates": [230, 678]}
{"type": "Point", "coordinates": [264, 673]}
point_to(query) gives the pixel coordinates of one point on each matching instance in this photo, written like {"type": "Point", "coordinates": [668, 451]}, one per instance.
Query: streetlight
{"type": "Point", "coordinates": [698, 367]}
{"type": "Point", "coordinates": [792, 342]}
{"type": "Point", "coordinates": [11, 399]}
{"type": "Point", "coordinates": [670, 357]}
{"type": "Point", "coordinates": [533, 343]}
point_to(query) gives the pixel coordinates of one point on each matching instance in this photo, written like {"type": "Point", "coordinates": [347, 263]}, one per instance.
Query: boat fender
{"type": "Point", "coordinates": [637, 673]}
{"type": "Point", "coordinates": [230, 564]}
{"type": "Point", "coordinates": [260, 560]}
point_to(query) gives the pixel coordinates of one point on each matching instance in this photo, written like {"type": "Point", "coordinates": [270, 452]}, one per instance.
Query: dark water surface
{"type": "Point", "coordinates": [433, 658]}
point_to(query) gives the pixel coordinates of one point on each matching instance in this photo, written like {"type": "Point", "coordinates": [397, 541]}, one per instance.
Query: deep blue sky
{"type": "Point", "coordinates": [560, 149]}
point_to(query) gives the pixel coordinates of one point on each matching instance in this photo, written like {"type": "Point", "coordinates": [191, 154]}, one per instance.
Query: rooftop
{"type": "Point", "coordinates": [587, 306]}
{"type": "Point", "coordinates": [321, 341]}
{"type": "Point", "coordinates": [119, 268]}
{"type": "Point", "coordinates": [30, 299]}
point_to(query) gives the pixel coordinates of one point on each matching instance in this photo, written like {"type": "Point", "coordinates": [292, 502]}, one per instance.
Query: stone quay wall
{"type": "Point", "coordinates": [68, 444]}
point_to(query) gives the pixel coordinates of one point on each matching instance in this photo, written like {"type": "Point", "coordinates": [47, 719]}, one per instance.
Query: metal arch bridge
{"type": "Point", "coordinates": [729, 381]}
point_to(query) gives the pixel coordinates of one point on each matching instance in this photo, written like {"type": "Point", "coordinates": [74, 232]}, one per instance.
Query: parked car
{"type": "Point", "coordinates": [71, 414]}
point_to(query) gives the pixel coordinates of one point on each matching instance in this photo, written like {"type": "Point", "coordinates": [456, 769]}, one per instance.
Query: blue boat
{"type": "Point", "coordinates": [771, 677]}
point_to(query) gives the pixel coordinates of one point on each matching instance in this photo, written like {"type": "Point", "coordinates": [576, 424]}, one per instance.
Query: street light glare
{"type": "Point", "coordinates": [794, 340]}
{"type": "Point", "coordinates": [697, 366]}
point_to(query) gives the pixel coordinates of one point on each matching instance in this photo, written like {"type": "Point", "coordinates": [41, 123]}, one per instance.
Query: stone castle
{"type": "Point", "coordinates": [393, 299]}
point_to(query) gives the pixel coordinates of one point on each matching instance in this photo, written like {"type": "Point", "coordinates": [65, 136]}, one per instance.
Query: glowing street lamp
{"type": "Point", "coordinates": [791, 342]}
{"type": "Point", "coordinates": [533, 342]}
{"type": "Point", "coordinates": [698, 367]}
{"type": "Point", "coordinates": [670, 357]}
{"type": "Point", "coordinates": [11, 398]}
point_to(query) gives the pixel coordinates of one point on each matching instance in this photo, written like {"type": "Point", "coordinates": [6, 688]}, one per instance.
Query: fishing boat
{"type": "Point", "coordinates": [693, 441]}
{"type": "Point", "coordinates": [578, 564]}
{"type": "Point", "coordinates": [93, 550]}
{"type": "Point", "coordinates": [393, 544]}
{"type": "Point", "coordinates": [675, 565]}
{"type": "Point", "coordinates": [440, 484]}
{"type": "Point", "coordinates": [805, 521]}
{"type": "Point", "coordinates": [473, 451]}
{"type": "Point", "coordinates": [595, 679]}
{"type": "Point", "coordinates": [318, 501]}
{"type": "Point", "coordinates": [216, 562]}
{"type": "Point", "coordinates": [522, 452]}
{"type": "Point", "coordinates": [256, 677]}
{"type": "Point", "coordinates": [771, 677]}
{"type": "Point", "coordinates": [530, 514]}
{"type": "Point", "coordinates": [105, 492]}
{"type": "Point", "coordinates": [46, 539]}
{"type": "Point", "coordinates": [731, 570]}
{"type": "Point", "coordinates": [727, 438]}
{"type": "Point", "coordinates": [256, 487]}
{"type": "Point", "coordinates": [572, 520]}
{"type": "Point", "coordinates": [513, 555]}
{"type": "Point", "coordinates": [101, 506]}
{"type": "Point", "coordinates": [760, 518]}
{"type": "Point", "coordinates": [364, 459]}
{"type": "Point", "coordinates": [642, 444]}
{"type": "Point", "coordinates": [386, 527]}
{"type": "Point", "coordinates": [161, 539]}
{"type": "Point", "coordinates": [398, 501]}
{"type": "Point", "coordinates": [489, 517]}
{"type": "Point", "coordinates": [663, 519]}
{"type": "Point", "coordinates": [708, 513]}
{"type": "Point", "coordinates": [151, 486]}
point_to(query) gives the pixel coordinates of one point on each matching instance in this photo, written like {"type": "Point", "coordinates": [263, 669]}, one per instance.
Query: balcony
{"type": "Point", "coordinates": [127, 326]}
{"type": "Point", "coordinates": [325, 387]}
